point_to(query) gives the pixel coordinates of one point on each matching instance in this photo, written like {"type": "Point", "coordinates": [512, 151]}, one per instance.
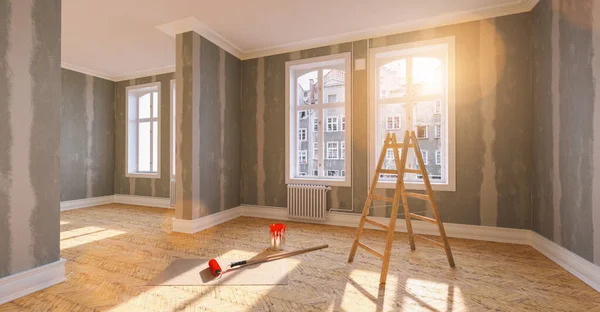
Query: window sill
{"type": "Point", "coordinates": [442, 187]}
{"type": "Point", "coordinates": [326, 182]}
{"type": "Point", "coordinates": [143, 175]}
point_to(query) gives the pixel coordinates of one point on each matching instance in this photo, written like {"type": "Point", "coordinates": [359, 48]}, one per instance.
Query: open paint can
{"type": "Point", "coordinates": [277, 236]}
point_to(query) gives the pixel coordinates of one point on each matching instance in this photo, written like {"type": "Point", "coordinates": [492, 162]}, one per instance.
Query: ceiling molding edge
{"type": "Point", "coordinates": [193, 24]}
{"type": "Point", "coordinates": [146, 73]}
{"type": "Point", "coordinates": [519, 6]}
{"type": "Point", "coordinates": [86, 71]}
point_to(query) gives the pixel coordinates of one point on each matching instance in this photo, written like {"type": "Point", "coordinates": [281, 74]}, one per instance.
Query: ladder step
{"type": "Point", "coordinates": [371, 250]}
{"type": "Point", "coordinates": [375, 223]}
{"type": "Point", "coordinates": [382, 198]}
{"type": "Point", "coordinates": [420, 217]}
{"type": "Point", "coordinates": [399, 145]}
{"type": "Point", "coordinates": [417, 195]}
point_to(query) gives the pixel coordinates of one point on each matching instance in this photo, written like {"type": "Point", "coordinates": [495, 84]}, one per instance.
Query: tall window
{"type": "Point", "coordinates": [413, 89]}
{"type": "Point", "coordinates": [318, 88]}
{"type": "Point", "coordinates": [143, 130]}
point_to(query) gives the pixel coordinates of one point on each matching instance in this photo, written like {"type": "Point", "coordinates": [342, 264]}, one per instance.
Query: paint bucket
{"type": "Point", "coordinates": [277, 236]}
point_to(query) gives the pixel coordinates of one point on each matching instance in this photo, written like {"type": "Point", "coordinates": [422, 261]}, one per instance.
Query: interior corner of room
{"type": "Point", "coordinates": [187, 134]}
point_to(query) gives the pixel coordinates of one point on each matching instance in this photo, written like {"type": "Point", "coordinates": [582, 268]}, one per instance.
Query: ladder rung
{"type": "Point", "coordinates": [417, 195]}
{"type": "Point", "coordinates": [428, 239]}
{"type": "Point", "coordinates": [399, 145]}
{"type": "Point", "coordinates": [387, 171]}
{"type": "Point", "coordinates": [375, 223]}
{"type": "Point", "coordinates": [371, 250]}
{"type": "Point", "coordinates": [382, 198]}
{"type": "Point", "coordinates": [420, 217]}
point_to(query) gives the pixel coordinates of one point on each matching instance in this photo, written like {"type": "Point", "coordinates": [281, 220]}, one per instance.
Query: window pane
{"type": "Point", "coordinates": [427, 124]}
{"type": "Point", "coordinates": [392, 79]}
{"type": "Point", "coordinates": [308, 88]}
{"type": "Point", "coordinates": [334, 85]}
{"type": "Point", "coordinates": [427, 75]}
{"type": "Point", "coordinates": [155, 146]}
{"type": "Point", "coordinates": [392, 119]}
{"type": "Point", "coordinates": [154, 104]}
{"type": "Point", "coordinates": [307, 137]}
{"type": "Point", "coordinates": [333, 137]}
{"type": "Point", "coordinates": [144, 106]}
{"type": "Point", "coordinates": [144, 147]}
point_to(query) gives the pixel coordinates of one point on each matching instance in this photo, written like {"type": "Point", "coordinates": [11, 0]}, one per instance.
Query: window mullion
{"type": "Point", "coordinates": [151, 134]}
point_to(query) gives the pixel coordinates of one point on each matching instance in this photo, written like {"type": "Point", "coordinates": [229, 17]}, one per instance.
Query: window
{"type": "Point", "coordinates": [143, 130]}
{"type": "Point", "coordinates": [438, 157]}
{"type": "Point", "coordinates": [302, 134]}
{"type": "Point", "coordinates": [302, 114]}
{"type": "Point", "coordinates": [425, 156]}
{"type": "Point", "coordinates": [393, 123]}
{"type": "Point", "coordinates": [302, 157]}
{"type": "Point", "coordinates": [343, 172]}
{"type": "Point", "coordinates": [333, 173]}
{"type": "Point", "coordinates": [173, 131]}
{"type": "Point", "coordinates": [332, 150]}
{"type": "Point", "coordinates": [332, 123]}
{"type": "Point", "coordinates": [422, 132]}
{"type": "Point", "coordinates": [413, 89]}
{"type": "Point", "coordinates": [317, 101]}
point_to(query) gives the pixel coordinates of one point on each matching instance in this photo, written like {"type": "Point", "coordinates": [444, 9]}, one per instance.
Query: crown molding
{"type": "Point", "coordinates": [84, 70]}
{"type": "Point", "coordinates": [193, 24]}
{"type": "Point", "coordinates": [146, 73]}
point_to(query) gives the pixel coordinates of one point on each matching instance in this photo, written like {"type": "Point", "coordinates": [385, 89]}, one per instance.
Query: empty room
{"type": "Point", "coordinates": [341, 155]}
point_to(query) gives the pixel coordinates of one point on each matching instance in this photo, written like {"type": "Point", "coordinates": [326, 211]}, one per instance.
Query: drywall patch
{"type": "Point", "coordinates": [21, 194]}
{"type": "Point", "coordinates": [89, 112]}
{"type": "Point", "coordinates": [488, 81]}
{"type": "Point", "coordinates": [45, 131]}
{"type": "Point", "coordinates": [5, 141]}
{"type": "Point", "coordinates": [556, 124]}
{"type": "Point", "coordinates": [260, 132]}
{"type": "Point", "coordinates": [576, 137]}
{"type": "Point", "coordinates": [596, 137]}
{"type": "Point", "coordinates": [249, 132]}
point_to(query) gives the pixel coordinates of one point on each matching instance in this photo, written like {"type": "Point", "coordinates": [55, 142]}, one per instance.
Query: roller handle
{"type": "Point", "coordinates": [238, 263]}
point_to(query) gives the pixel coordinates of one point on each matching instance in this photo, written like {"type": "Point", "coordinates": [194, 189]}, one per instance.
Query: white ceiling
{"type": "Point", "coordinates": [119, 39]}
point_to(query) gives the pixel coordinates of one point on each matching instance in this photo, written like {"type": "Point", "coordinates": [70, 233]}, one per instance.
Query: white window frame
{"type": "Point", "coordinates": [302, 133]}
{"type": "Point", "coordinates": [173, 140]}
{"type": "Point", "coordinates": [131, 158]}
{"type": "Point", "coordinates": [332, 123]}
{"type": "Point", "coordinates": [297, 68]}
{"type": "Point", "coordinates": [448, 106]}
{"type": "Point", "coordinates": [327, 148]}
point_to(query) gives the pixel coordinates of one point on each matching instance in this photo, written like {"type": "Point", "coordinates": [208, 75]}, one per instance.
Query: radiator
{"type": "Point", "coordinates": [173, 194]}
{"type": "Point", "coordinates": [307, 202]}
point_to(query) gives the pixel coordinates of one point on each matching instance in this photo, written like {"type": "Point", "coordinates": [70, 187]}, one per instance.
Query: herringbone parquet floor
{"type": "Point", "coordinates": [114, 250]}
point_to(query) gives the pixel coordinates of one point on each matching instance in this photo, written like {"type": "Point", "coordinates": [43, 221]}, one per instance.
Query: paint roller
{"type": "Point", "coordinates": [216, 270]}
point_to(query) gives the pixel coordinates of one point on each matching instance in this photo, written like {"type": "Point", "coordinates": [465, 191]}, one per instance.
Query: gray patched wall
{"type": "Point", "coordinates": [30, 103]}
{"type": "Point", "coordinates": [566, 184]}
{"type": "Point", "coordinates": [493, 124]}
{"type": "Point", "coordinates": [143, 186]}
{"type": "Point", "coordinates": [208, 128]}
{"type": "Point", "coordinates": [87, 144]}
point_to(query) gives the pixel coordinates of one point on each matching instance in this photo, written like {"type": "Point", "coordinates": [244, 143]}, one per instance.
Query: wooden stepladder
{"type": "Point", "coordinates": [410, 140]}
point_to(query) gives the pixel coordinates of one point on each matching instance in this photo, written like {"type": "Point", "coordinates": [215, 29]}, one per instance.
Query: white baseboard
{"type": "Point", "coordinates": [586, 271]}
{"type": "Point", "coordinates": [24, 283]}
{"type": "Point", "coordinates": [86, 202]}
{"type": "Point", "coordinates": [158, 202]}
{"type": "Point", "coordinates": [203, 223]}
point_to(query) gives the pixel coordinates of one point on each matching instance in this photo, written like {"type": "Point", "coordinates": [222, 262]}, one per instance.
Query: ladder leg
{"type": "Point", "coordinates": [409, 230]}
{"type": "Point", "coordinates": [361, 225]}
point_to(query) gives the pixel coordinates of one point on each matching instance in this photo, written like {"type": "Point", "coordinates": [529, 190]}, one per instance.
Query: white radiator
{"type": "Point", "coordinates": [173, 194]}
{"type": "Point", "coordinates": [307, 202]}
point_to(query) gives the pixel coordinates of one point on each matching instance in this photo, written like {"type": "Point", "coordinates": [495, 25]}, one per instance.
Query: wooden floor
{"type": "Point", "coordinates": [114, 250]}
